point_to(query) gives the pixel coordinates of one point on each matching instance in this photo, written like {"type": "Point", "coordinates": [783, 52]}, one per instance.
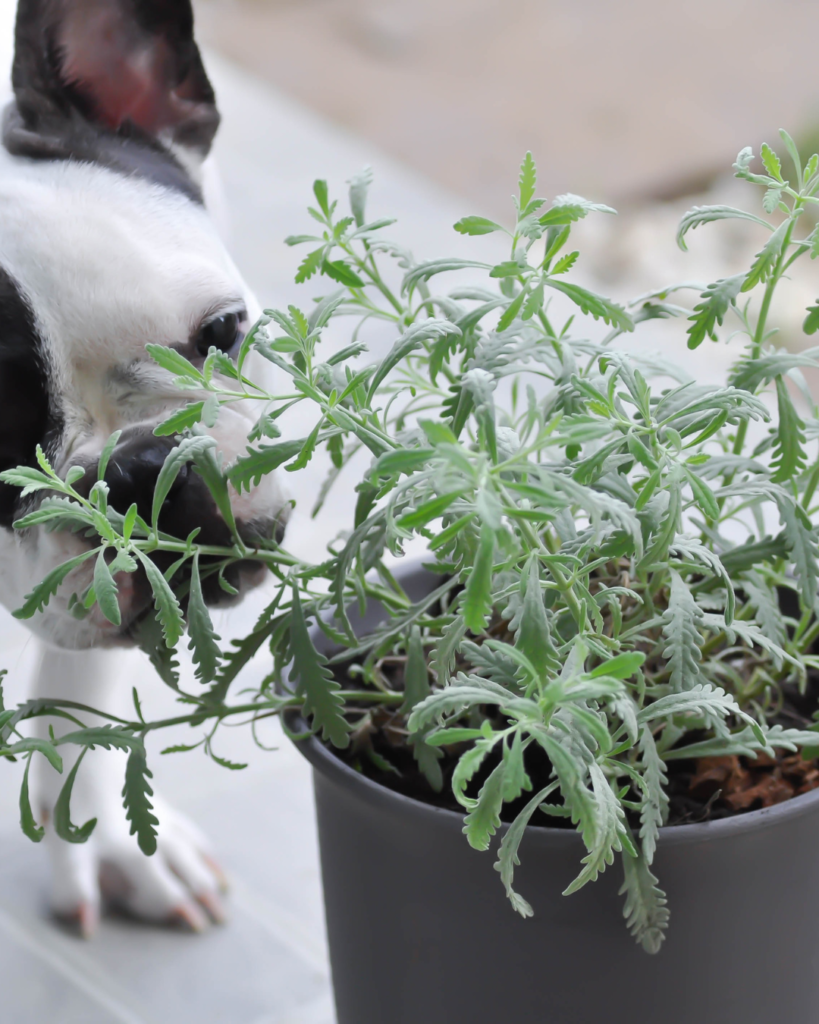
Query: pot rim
{"type": "Point", "coordinates": [378, 796]}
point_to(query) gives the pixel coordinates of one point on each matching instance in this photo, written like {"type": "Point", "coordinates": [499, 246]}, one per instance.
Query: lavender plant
{"type": "Point", "coordinates": [612, 542]}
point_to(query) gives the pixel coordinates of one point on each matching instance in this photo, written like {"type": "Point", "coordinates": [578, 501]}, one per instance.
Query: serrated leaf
{"type": "Point", "coordinates": [204, 641]}
{"type": "Point", "coordinates": [511, 311]}
{"type": "Point", "coordinates": [168, 611]}
{"type": "Point", "coordinates": [248, 470]}
{"type": "Point", "coordinates": [173, 361]}
{"type": "Point", "coordinates": [429, 268]}
{"type": "Point", "coordinates": [766, 258]}
{"type": "Point", "coordinates": [415, 335]}
{"type": "Point", "coordinates": [771, 199]}
{"type": "Point", "coordinates": [105, 590]}
{"type": "Point", "coordinates": [416, 675]}
{"type": "Point", "coordinates": [339, 271]}
{"type": "Point", "coordinates": [180, 420]}
{"type": "Point", "coordinates": [306, 453]}
{"type": "Point", "coordinates": [532, 631]}
{"type": "Point", "coordinates": [446, 649]}
{"type": "Point", "coordinates": [800, 538]}
{"type": "Point", "coordinates": [699, 215]}
{"type": "Point", "coordinates": [527, 181]}
{"type": "Point", "coordinates": [515, 780]}
{"type": "Point", "coordinates": [595, 305]}
{"type": "Point", "coordinates": [653, 801]}
{"type": "Point", "coordinates": [610, 828]}
{"type": "Point", "coordinates": [750, 373]}
{"type": "Point", "coordinates": [177, 457]}
{"type": "Point", "coordinates": [645, 909]}
{"type": "Point", "coordinates": [309, 265]}
{"type": "Point", "coordinates": [789, 455]}
{"type": "Point", "coordinates": [771, 161]}
{"type": "Point", "coordinates": [28, 478]}
{"type": "Point", "coordinates": [48, 586]}
{"type": "Point", "coordinates": [136, 799]}
{"type": "Point", "coordinates": [477, 599]}
{"type": "Point", "coordinates": [315, 682]}
{"type": "Point", "coordinates": [483, 820]}
{"type": "Point", "coordinates": [565, 263]}
{"type": "Point", "coordinates": [681, 629]}
{"type": "Point", "coordinates": [568, 208]}
{"type": "Point", "coordinates": [428, 511]}
{"type": "Point", "coordinates": [710, 312]}
{"type": "Point", "coordinates": [508, 858]}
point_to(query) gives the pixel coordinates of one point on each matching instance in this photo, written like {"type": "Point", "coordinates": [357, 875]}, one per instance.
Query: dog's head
{"type": "Point", "coordinates": [106, 246]}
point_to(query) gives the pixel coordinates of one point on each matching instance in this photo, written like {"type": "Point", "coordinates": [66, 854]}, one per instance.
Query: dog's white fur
{"type": "Point", "coordinates": [109, 263]}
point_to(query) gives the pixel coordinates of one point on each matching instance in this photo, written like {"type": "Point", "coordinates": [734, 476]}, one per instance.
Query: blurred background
{"type": "Point", "coordinates": [639, 104]}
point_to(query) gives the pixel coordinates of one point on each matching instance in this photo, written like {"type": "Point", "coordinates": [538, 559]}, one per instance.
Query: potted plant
{"type": "Point", "coordinates": [602, 669]}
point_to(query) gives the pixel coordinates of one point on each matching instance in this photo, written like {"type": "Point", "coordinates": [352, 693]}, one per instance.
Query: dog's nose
{"type": "Point", "coordinates": [132, 473]}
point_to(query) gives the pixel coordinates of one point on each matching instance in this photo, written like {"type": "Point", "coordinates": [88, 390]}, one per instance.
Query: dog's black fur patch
{"type": "Point", "coordinates": [26, 414]}
{"type": "Point", "coordinates": [55, 117]}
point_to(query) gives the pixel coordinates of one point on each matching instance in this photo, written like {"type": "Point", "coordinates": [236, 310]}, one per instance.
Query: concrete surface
{"type": "Point", "coordinates": [620, 101]}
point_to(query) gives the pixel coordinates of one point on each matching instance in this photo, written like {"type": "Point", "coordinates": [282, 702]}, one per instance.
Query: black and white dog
{"type": "Point", "coordinates": [106, 245]}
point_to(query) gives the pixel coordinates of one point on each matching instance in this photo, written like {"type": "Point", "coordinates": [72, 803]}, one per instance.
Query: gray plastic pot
{"type": "Point", "coordinates": [420, 930]}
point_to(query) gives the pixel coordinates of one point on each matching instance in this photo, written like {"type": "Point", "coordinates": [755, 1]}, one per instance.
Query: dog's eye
{"type": "Point", "coordinates": [221, 333]}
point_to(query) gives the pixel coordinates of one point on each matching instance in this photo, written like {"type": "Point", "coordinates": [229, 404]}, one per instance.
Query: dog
{"type": "Point", "coordinates": [106, 245]}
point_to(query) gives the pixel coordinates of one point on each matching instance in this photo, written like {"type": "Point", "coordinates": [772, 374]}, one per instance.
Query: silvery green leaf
{"type": "Point", "coordinates": [168, 610]}
{"type": "Point", "coordinates": [416, 675]}
{"type": "Point", "coordinates": [711, 310]}
{"type": "Point", "coordinates": [610, 828]}
{"type": "Point", "coordinates": [800, 537]}
{"type": "Point", "coordinates": [483, 820]}
{"type": "Point", "coordinates": [407, 342]}
{"type": "Point", "coordinates": [766, 258]}
{"type": "Point", "coordinates": [424, 271]}
{"type": "Point", "coordinates": [136, 798]}
{"type": "Point", "coordinates": [477, 599]}
{"type": "Point", "coordinates": [764, 599]}
{"type": "Point", "coordinates": [359, 187]}
{"type": "Point", "coordinates": [645, 909]}
{"type": "Point", "coordinates": [789, 455]}
{"type": "Point", "coordinates": [508, 857]}
{"type": "Point", "coordinates": [595, 305]}
{"type": "Point", "coordinates": [315, 681]}
{"type": "Point", "coordinates": [654, 800]}
{"type": "Point", "coordinates": [454, 699]}
{"type": "Point", "coordinates": [527, 182]}
{"type": "Point", "coordinates": [204, 641]}
{"type": "Point", "coordinates": [699, 215]}
{"type": "Point", "coordinates": [42, 593]}
{"type": "Point", "coordinates": [105, 590]}
{"type": "Point", "coordinates": [177, 457]}
{"type": "Point", "coordinates": [682, 623]}
{"type": "Point", "coordinates": [750, 633]}
{"type": "Point", "coordinates": [689, 549]}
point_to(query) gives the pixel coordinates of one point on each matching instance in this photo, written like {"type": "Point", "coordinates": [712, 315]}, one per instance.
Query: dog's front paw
{"type": "Point", "coordinates": [181, 884]}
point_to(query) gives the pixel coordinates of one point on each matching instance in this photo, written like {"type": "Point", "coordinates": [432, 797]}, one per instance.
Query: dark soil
{"type": "Point", "coordinates": [699, 790]}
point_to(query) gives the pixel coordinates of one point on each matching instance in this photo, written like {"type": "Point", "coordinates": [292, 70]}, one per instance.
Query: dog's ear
{"type": "Point", "coordinates": [111, 67]}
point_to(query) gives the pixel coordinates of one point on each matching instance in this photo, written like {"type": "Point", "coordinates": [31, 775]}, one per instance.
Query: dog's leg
{"type": "Point", "coordinates": [180, 882]}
